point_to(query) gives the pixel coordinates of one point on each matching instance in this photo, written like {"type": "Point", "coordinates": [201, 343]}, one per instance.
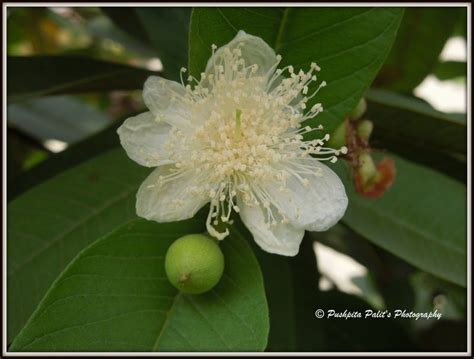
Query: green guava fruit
{"type": "Point", "coordinates": [194, 263]}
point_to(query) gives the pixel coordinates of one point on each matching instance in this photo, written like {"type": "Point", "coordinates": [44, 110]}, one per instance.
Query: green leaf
{"type": "Point", "coordinates": [63, 118]}
{"type": "Point", "coordinates": [447, 70]}
{"type": "Point", "coordinates": [167, 30]}
{"type": "Point", "coordinates": [421, 38]}
{"type": "Point", "coordinates": [115, 296]}
{"type": "Point", "coordinates": [421, 218]}
{"type": "Point", "coordinates": [418, 132]}
{"type": "Point", "coordinates": [350, 45]}
{"type": "Point", "coordinates": [48, 75]}
{"type": "Point", "coordinates": [49, 224]}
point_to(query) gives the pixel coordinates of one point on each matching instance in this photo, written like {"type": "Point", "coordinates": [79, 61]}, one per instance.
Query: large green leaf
{"type": "Point", "coordinates": [49, 224]}
{"type": "Point", "coordinates": [115, 296]}
{"type": "Point", "coordinates": [350, 44]}
{"type": "Point", "coordinates": [421, 218]}
{"type": "Point", "coordinates": [421, 38]}
{"type": "Point", "coordinates": [418, 132]}
{"type": "Point", "coordinates": [48, 75]}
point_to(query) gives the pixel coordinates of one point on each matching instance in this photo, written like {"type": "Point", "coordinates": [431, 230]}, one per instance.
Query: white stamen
{"type": "Point", "coordinates": [249, 134]}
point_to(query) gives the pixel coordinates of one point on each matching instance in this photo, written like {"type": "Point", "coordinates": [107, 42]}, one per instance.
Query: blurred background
{"type": "Point", "coordinates": [55, 50]}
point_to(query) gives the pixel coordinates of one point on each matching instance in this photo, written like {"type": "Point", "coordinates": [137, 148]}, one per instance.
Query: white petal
{"type": "Point", "coordinates": [143, 137]}
{"type": "Point", "coordinates": [255, 51]}
{"type": "Point", "coordinates": [166, 100]}
{"type": "Point", "coordinates": [317, 206]}
{"type": "Point", "coordinates": [172, 201]}
{"type": "Point", "coordinates": [283, 239]}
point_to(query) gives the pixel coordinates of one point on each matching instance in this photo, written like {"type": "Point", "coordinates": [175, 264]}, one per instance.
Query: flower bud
{"type": "Point", "coordinates": [359, 110]}
{"type": "Point", "coordinates": [194, 263]}
{"type": "Point", "coordinates": [338, 137]}
{"type": "Point", "coordinates": [364, 129]}
{"type": "Point", "coordinates": [367, 169]}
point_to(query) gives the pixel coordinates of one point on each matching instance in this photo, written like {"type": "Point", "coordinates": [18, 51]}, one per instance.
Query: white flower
{"type": "Point", "coordinates": [235, 139]}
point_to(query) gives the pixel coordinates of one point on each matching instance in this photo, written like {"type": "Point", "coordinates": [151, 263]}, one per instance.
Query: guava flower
{"type": "Point", "coordinates": [235, 139]}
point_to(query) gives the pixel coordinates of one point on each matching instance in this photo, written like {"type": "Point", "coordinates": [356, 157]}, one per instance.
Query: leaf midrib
{"type": "Point", "coordinates": [166, 321]}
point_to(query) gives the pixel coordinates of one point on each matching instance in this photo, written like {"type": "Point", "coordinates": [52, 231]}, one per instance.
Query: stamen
{"type": "Point", "coordinates": [235, 158]}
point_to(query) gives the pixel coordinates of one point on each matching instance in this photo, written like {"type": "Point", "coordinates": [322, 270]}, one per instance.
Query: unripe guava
{"type": "Point", "coordinates": [194, 263]}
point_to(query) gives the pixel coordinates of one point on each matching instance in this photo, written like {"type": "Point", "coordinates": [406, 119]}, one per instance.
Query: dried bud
{"type": "Point", "coordinates": [373, 180]}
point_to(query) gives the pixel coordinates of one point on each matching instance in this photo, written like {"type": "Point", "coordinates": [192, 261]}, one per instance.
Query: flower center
{"type": "Point", "coordinates": [238, 113]}
{"type": "Point", "coordinates": [245, 131]}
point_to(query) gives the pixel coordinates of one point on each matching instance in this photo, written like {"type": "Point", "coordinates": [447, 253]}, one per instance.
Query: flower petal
{"type": "Point", "coordinates": [283, 239]}
{"type": "Point", "coordinates": [143, 138]}
{"type": "Point", "coordinates": [255, 51]}
{"type": "Point", "coordinates": [167, 100]}
{"type": "Point", "coordinates": [171, 201]}
{"type": "Point", "coordinates": [316, 206]}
